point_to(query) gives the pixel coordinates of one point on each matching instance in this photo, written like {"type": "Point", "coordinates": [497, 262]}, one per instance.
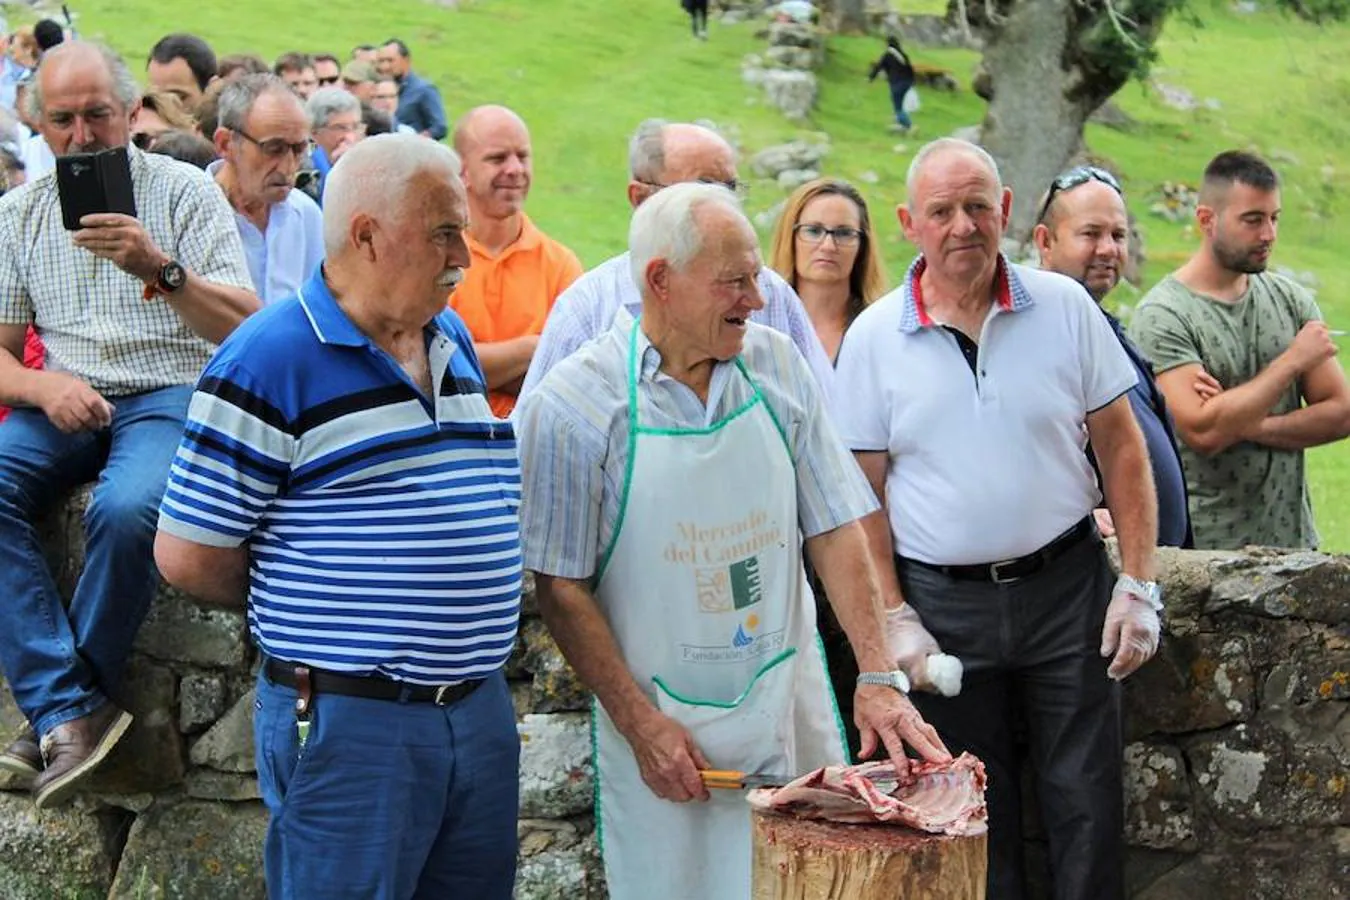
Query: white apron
{"type": "Point", "coordinates": [703, 587]}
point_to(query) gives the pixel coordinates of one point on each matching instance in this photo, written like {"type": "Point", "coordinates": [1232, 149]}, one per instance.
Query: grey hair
{"type": "Point", "coordinates": [328, 102]}
{"type": "Point", "coordinates": [124, 85]}
{"type": "Point", "coordinates": [373, 177]}
{"type": "Point", "coordinates": [647, 151]}
{"type": "Point", "coordinates": [666, 226]}
{"type": "Point", "coordinates": [948, 145]}
{"type": "Point", "coordinates": [238, 96]}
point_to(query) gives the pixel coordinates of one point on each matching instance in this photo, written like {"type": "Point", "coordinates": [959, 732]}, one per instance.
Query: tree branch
{"type": "Point", "coordinates": [1116, 22]}
{"type": "Point", "coordinates": [965, 22]}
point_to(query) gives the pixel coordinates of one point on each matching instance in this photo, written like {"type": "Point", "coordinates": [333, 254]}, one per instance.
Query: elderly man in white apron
{"type": "Point", "coordinates": [671, 470]}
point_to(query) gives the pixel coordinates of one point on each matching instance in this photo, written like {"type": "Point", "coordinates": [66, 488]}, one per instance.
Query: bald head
{"type": "Point", "coordinates": [941, 153]}
{"type": "Point", "coordinates": [1085, 235]}
{"type": "Point", "coordinates": [666, 153]}
{"type": "Point", "coordinates": [494, 145]}
{"type": "Point", "coordinates": [484, 120]}
{"type": "Point", "coordinates": [83, 98]}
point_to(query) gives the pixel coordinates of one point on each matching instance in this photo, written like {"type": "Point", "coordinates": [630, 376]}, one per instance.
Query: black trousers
{"type": "Point", "coordinates": [698, 15]}
{"type": "Point", "coordinates": [1031, 651]}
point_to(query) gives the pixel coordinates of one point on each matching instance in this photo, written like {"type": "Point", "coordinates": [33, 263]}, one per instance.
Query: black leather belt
{"type": "Point", "coordinates": [1008, 570]}
{"type": "Point", "coordinates": [371, 687]}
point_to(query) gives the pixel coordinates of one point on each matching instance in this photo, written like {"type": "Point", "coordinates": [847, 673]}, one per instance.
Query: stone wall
{"type": "Point", "coordinates": [1239, 748]}
{"type": "Point", "coordinates": [174, 812]}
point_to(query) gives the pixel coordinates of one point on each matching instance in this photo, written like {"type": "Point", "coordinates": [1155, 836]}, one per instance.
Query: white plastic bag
{"type": "Point", "coordinates": [911, 102]}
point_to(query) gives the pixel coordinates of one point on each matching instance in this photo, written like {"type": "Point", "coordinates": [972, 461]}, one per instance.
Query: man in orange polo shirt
{"type": "Point", "coordinates": [517, 271]}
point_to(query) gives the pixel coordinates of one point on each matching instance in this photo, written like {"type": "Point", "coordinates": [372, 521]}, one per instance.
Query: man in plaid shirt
{"type": "Point", "coordinates": [129, 310]}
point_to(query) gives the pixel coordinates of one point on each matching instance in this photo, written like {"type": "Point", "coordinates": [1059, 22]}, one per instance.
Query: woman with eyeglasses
{"type": "Point", "coordinates": [825, 248]}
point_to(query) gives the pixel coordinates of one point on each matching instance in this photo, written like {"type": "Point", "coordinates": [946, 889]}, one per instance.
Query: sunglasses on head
{"type": "Point", "coordinates": [1078, 175]}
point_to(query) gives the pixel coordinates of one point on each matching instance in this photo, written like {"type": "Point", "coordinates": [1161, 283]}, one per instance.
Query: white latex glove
{"type": "Point", "coordinates": [916, 652]}
{"type": "Point", "coordinates": [1131, 630]}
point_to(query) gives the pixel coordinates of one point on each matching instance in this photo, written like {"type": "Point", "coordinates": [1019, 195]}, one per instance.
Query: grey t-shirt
{"type": "Point", "coordinates": [1249, 493]}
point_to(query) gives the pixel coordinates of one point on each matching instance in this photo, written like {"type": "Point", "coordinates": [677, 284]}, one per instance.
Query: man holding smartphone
{"type": "Point", "coordinates": [129, 308]}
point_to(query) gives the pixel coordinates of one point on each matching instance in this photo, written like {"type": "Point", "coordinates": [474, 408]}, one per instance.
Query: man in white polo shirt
{"type": "Point", "coordinates": [967, 396]}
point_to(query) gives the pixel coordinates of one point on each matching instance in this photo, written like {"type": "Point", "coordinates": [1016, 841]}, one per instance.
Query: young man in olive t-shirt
{"type": "Point", "coordinates": [1261, 336]}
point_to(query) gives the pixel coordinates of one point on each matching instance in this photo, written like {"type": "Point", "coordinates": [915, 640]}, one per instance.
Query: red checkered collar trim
{"type": "Point", "coordinates": [1002, 282]}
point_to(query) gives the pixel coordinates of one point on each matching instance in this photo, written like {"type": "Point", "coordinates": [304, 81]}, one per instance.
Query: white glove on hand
{"type": "Point", "coordinates": [1131, 630]}
{"type": "Point", "coordinates": [916, 652]}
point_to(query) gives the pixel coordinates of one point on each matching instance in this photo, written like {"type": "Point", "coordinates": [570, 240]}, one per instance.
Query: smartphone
{"type": "Point", "coordinates": [94, 183]}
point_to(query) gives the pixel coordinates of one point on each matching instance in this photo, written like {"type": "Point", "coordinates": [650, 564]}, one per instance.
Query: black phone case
{"type": "Point", "coordinates": [94, 183]}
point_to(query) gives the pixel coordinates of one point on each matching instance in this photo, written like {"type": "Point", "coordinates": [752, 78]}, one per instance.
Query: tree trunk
{"type": "Point", "coordinates": [1034, 124]}
{"type": "Point", "coordinates": [800, 859]}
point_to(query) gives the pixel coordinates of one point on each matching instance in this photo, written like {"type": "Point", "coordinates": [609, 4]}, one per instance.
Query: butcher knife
{"type": "Point", "coordinates": [731, 780]}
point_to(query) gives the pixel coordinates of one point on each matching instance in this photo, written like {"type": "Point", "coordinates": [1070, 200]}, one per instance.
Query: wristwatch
{"type": "Point", "coordinates": [1148, 591]}
{"type": "Point", "coordinates": [896, 679]}
{"type": "Point", "coordinates": [170, 278]}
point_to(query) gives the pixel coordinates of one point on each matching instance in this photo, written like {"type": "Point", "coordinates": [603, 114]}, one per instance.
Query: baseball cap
{"type": "Point", "coordinates": [358, 71]}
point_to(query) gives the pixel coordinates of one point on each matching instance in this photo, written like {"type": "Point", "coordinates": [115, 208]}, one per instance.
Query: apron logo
{"type": "Point", "coordinates": [742, 639]}
{"type": "Point", "coordinates": [714, 590]}
{"type": "Point", "coordinates": [745, 645]}
{"type": "Point", "coordinates": [746, 585]}
{"type": "Point", "coordinates": [725, 559]}
{"type": "Point", "coordinates": [734, 587]}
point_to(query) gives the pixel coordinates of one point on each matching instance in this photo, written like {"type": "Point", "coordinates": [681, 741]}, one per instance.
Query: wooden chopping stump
{"type": "Point", "coordinates": [805, 859]}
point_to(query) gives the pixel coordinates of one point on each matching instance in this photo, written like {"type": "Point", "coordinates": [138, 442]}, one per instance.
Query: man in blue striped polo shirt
{"type": "Point", "coordinates": [341, 468]}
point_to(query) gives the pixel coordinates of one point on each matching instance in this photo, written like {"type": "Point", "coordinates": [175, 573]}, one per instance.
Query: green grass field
{"type": "Point", "coordinates": [583, 73]}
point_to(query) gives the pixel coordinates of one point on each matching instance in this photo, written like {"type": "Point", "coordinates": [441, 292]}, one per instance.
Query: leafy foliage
{"type": "Point", "coordinates": [1111, 41]}
{"type": "Point", "coordinates": [1317, 11]}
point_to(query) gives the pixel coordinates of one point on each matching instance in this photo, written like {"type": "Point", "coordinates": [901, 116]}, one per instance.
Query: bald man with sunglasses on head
{"type": "Point", "coordinates": [1083, 232]}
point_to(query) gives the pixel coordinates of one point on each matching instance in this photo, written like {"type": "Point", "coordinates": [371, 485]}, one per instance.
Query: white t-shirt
{"type": "Point", "coordinates": [989, 466]}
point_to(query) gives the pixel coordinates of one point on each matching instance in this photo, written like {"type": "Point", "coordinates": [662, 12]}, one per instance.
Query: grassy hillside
{"type": "Point", "coordinates": [584, 72]}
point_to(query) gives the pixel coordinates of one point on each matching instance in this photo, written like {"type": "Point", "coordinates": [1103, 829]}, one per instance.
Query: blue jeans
{"type": "Point", "coordinates": [389, 800]}
{"type": "Point", "coordinates": [61, 663]}
{"type": "Point", "coordinates": [898, 92]}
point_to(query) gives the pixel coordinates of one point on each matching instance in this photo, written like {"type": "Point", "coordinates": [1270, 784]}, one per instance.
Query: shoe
{"type": "Point", "coordinates": [72, 750]}
{"type": "Point", "coordinates": [22, 758]}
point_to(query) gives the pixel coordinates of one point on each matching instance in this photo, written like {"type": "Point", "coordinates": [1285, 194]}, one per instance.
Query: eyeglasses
{"type": "Point", "coordinates": [739, 188]}
{"type": "Point", "coordinates": [844, 236]}
{"type": "Point", "coordinates": [346, 128]}
{"type": "Point", "coordinates": [328, 81]}
{"type": "Point", "coordinates": [275, 148]}
{"type": "Point", "coordinates": [1078, 175]}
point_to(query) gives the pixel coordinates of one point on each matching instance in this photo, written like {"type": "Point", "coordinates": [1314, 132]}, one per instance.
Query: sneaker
{"type": "Point", "coordinates": [22, 758]}
{"type": "Point", "coordinates": [72, 750]}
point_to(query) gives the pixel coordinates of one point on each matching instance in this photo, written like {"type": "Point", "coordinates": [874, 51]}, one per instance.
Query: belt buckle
{"type": "Point", "coordinates": [440, 699]}
{"type": "Point", "coordinates": [996, 578]}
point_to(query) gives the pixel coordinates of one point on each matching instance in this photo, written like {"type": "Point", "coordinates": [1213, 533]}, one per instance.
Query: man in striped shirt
{"type": "Point", "coordinates": [342, 470]}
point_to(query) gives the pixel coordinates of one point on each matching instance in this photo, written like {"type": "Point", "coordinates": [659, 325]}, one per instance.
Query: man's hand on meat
{"type": "Point", "coordinates": [885, 716]}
